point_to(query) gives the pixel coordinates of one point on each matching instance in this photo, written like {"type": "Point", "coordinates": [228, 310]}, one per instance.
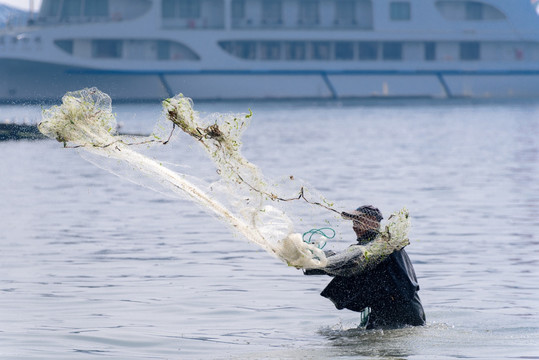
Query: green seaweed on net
{"type": "Point", "coordinates": [221, 141]}
{"type": "Point", "coordinates": [85, 120]}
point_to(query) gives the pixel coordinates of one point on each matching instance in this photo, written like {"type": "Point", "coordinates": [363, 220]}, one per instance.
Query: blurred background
{"type": "Point", "coordinates": [270, 49]}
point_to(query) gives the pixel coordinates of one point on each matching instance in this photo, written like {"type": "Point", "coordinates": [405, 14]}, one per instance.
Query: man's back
{"type": "Point", "coordinates": [389, 289]}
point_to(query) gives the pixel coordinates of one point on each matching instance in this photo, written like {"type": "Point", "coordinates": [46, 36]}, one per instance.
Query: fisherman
{"type": "Point", "coordinates": [386, 294]}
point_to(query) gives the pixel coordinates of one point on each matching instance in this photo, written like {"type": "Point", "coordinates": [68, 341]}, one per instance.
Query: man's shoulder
{"type": "Point", "coordinates": [401, 260]}
{"type": "Point", "coordinates": [399, 254]}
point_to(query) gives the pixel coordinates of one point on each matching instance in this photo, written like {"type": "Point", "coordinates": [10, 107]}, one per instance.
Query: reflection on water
{"type": "Point", "coordinates": [96, 266]}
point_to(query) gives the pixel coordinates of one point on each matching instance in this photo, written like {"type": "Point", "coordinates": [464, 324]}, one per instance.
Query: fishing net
{"type": "Point", "coordinates": [263, 210]}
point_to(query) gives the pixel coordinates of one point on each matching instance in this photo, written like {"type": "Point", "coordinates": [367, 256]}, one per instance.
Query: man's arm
{"type": "Point", "coordinates": [359, 258]}
{"type": "Point", "coordinates": [328, 253]}
{"type": "Point", "coordinates": [315, 272]}
{"type": "Point", "coordinates": [352, 261]}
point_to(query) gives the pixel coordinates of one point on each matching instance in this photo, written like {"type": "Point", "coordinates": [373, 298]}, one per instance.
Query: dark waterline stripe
{"type": "Point", "coordinates": [305, 72]}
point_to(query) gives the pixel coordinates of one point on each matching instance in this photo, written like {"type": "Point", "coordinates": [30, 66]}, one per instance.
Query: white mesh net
{"type": "Point", "coordinates": [258, 208]}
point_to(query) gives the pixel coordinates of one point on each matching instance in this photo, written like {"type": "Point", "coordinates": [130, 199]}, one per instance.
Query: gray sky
{"type": "Point", "coordinates": [22, 4]}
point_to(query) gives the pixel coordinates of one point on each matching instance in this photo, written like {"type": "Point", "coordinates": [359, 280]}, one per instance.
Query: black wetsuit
{"type": "Point", "coordinates": [389, 289]}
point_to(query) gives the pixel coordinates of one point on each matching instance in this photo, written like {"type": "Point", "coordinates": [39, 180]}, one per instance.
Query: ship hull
{"type": "Point", "coordinates": [30, 81]}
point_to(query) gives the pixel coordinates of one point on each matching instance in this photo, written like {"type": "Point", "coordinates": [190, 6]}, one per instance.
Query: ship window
{"type": "Point", "coordinates": [272, 12]}
{"type": "Point", "coordinates": [270, 50]}
{"type": "Point", "coordinates": [400, 10]}
{"type": "Point", "coordinates": [392, 51]}
{"type": "Point", "coordinates": [96, 8]}
{"type": "Point", "coordinates": [309, 12]}
{"type": "Point", "coordinates": [168, 9]}
{"type": "Point", "coordinates": [345, 12]}
{"type": "Point", "coordinates": [295, 50]}
{"type": "Point", "coordinates": [430, 51]}
{"type": "Point", "coordinates": [189, 9]}
{"type": "Point", "coordinates": [474, 11]}
{"type": "Point", "coordinates": [368, 50]}
{"type": "Point", "coordinates": [171, 50]}
{"type": "Point", "coordinates": [85, 11]}
{"type": "Point", "coordinates": [321, 50]}
{"type": "Point", "coordinates": [179, 51]}
{"type": "Point", "coordinates": [51, 8]}
{"type": "Point", "coordinates": [246, 49]}
{"type": "Point", "coordinates": [227, 46]}
{"type": "Point", "coordinates": [241, 49]}
{"type": "Point", "coordinates": [365, 14]}
{"type": "Point", "coordinates": [107, 48]}
{"type": "Point", "coordinates": [183, 9]}
{"type": "Point", "coordinates": [469, 50]}
{"type": "Point", "coordinates": [238, 9]}
{"type": "Point", "coordinates": [163, 50]}
{"type": "Point", "coordinates": [344, 50]}
{"type": "Point", "coordinates": [65, 45]}
{"type": "Point", "coordinates": [468, 10]}
{"type": "Point", "coordinates": [71, 8]}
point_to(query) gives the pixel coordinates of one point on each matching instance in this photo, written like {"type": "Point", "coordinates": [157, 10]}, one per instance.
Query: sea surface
{"type": "Point", "coordinates": [96, 267]}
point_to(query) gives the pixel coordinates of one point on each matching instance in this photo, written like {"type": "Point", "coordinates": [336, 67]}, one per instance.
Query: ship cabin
{"type": "Point", "coordinates": [406, 31]}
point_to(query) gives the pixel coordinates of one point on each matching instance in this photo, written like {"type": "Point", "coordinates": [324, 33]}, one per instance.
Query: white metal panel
{"type": "Point", "coordinates": [387, 85]}
{"type": "Point", "coordinates": [249, 86]}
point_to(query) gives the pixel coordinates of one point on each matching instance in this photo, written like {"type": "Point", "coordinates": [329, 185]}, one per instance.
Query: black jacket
{"type": "Point", "coordinates": [389, 289]}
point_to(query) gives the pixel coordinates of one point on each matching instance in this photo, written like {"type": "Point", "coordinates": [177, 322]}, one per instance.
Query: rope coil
{"type": "Point", "coordinates": [319, 243]}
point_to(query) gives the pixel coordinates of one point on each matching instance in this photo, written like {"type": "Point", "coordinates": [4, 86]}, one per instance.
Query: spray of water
{"type": "Point", "coordinates": [242, 198]}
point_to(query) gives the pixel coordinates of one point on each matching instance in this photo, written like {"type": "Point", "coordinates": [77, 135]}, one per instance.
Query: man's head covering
{"type": "Point", "coordinates": [368, 210]}
{"type": "Point", "coordinates": [371, 211]}
{"type": "Point", "coordinates": [366, 219]}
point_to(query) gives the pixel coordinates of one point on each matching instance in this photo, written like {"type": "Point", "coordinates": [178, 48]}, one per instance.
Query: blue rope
{"type": "Point", "coordinates": [320, 231]}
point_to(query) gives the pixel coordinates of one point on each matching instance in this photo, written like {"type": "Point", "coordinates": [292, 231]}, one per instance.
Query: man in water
{"type": "Point", "coordinates": [386, 294]}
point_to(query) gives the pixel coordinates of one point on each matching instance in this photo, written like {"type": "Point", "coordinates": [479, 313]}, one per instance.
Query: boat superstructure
{"type": "Point", "coordinates": [234, 49]}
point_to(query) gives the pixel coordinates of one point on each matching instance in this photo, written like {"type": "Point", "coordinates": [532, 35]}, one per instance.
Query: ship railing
{"type": "Point", "coordinates": [22, 41]}
{"type": "Point", "coordinates": [299, 25]}
{"type": "Point", "coordinates": [51, 21]}
{"type": "Point", "coordinates": [200, 23]}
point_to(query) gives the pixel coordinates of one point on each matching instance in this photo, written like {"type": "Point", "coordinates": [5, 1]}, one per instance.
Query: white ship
{"type": "Point", "coordinates": [283, 49]}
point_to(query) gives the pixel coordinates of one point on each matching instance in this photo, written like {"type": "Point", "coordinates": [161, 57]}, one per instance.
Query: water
{"type": "Point", "coordinates": [97, 267]}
